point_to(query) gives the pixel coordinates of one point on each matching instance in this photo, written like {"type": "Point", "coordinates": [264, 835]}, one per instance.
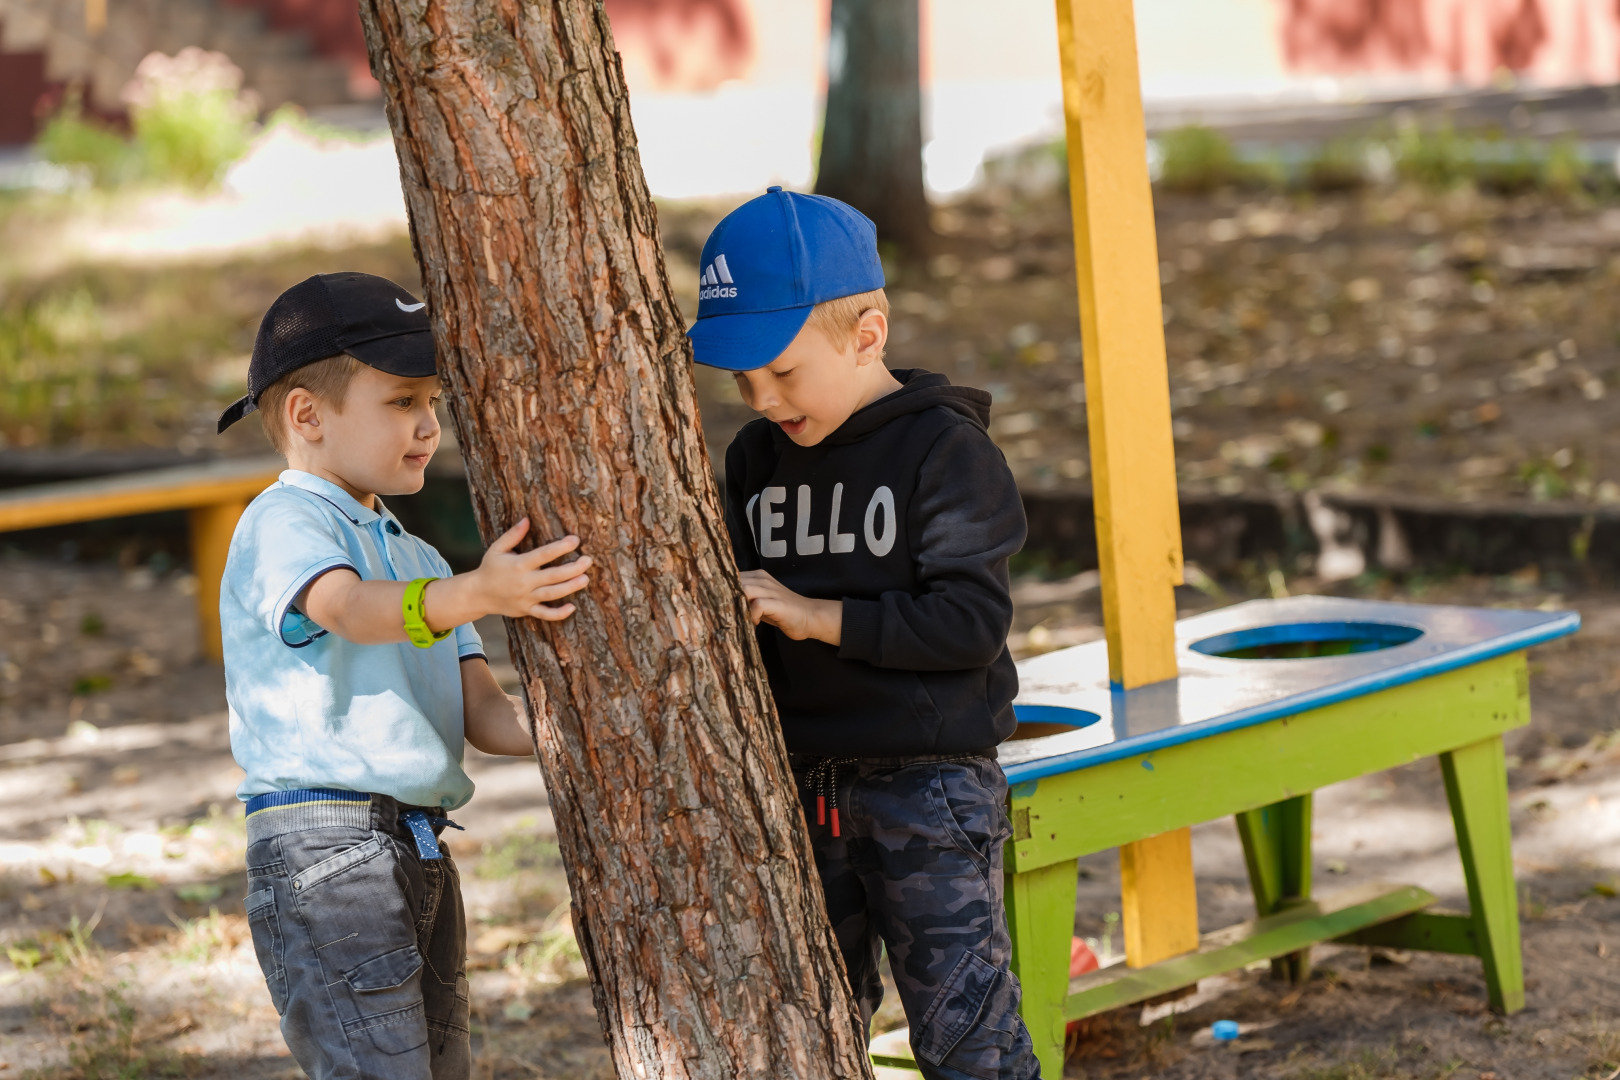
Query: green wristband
{"type": "Point", "coordinates": [416, 627]}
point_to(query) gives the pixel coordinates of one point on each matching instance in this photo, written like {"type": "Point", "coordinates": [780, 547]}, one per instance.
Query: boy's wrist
{"type": "Point", "coordinates": [445, 602]}
{"type": "Point", "coordinates": [827, 621]}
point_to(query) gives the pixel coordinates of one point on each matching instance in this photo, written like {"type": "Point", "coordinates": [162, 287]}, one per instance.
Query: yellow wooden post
{"type": "Point", "coordinates": [211, 530]}
{"type": "Point", "coordinates": [1128, 409]}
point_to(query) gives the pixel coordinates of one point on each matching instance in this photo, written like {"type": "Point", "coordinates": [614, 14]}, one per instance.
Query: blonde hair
{"type": "Point", "coordinates": [838, 319]}
{"type": "Point", "coordinates": [327, 379]}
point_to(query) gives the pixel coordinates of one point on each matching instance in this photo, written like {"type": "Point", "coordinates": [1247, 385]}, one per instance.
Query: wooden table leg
{"type": "Point", "coordinates": [1277, 847]}
{"type": "Point", "coordinates": [1040, 918]}
{"type": "Point", "coordinates": [1158, 898]}
{"type": "Point", "coordinates": [1476, 786]}
{"type": "Point", "coordinates": [211, 530]}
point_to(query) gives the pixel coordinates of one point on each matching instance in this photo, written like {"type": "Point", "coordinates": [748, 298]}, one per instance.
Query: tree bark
{"type": "Point", "coordinates": [871, 139]}
{"type": "Point", "coordinates": [696, 901]}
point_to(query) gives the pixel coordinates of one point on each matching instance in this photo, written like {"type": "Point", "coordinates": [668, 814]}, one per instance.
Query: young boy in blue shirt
{"type": "Point", "coordinates": [872, 519]}
{"type": "Point", "coordinates": [354, 678]}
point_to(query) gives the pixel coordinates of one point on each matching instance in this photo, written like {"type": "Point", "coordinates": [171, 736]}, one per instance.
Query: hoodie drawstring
{"type": "Point", "coordinates": [823, 780]}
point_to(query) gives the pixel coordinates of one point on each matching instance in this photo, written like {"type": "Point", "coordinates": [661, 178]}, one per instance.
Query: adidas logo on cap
{"type": "Point", "coordinates": [716, 281]}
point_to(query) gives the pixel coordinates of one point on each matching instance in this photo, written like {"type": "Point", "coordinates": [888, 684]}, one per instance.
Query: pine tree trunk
{"type": "Point", "coordinates": [696, 901]}
{"type": "Point", "coordinates": [871, 139]}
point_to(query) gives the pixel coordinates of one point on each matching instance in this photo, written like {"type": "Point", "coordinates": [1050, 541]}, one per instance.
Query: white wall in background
{"type": "Point", "coordinates": [992, 83]}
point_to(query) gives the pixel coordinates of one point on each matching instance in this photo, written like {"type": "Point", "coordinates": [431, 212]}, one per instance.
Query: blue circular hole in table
{"type": "Point", "coordinates": [1302, 640]}
{"type": "Point", "coordinates": [1039, 721]}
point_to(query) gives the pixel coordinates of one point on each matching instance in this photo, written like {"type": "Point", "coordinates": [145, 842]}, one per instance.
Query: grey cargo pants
{"type": "Point", "coordinates": [917, 867]}
{"type": "Point", "coordinates": [362, 942]}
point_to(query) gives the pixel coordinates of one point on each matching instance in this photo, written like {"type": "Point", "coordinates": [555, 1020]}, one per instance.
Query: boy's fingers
{"type": "Point", "coordinates": [551, 614]}
{"type": "Point", "coordinates": [549, 575]}
{"type": "Point", "coordinates": [548, 552]}
{"type": "Point", "coordinates": [561, 589]}
{"type": "Point", "coordinates": [511, 537]}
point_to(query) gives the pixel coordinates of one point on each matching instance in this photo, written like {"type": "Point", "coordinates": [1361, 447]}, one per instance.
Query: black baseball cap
{"type": "Point", "coordinates": [369, 317]}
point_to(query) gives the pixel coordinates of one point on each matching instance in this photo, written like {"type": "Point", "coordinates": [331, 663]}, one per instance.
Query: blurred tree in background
{"type": "Point", "coordinates": [871, 143]}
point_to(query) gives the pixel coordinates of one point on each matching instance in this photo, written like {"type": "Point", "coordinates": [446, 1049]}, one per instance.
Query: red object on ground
{"type": "Point", "coordinates": [1081, 958]}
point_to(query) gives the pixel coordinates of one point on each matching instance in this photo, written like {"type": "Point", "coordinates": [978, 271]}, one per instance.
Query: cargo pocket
{"type": "Point", "coordinates": [972, 1023]}
{"type": "Point", "coordinates": [266, 931]}
{"type": "Point", "coordinates": [354, 905]}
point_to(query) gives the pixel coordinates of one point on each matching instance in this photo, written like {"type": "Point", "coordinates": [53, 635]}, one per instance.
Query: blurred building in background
{"type": "Point", "coordinates": [310, 53]}
{"type": "Point", "coordinates": [1550, 42]}
{"type": "Point", "coordinates": [727, 93]}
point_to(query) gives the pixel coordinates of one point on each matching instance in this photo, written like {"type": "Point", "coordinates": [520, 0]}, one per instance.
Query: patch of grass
{"type": "Point", "coordinates": [1564, 171]}
{"type": "Point", "coordinates": [553, 954]}
{"type": "Point", "coordinates": [1511, 169]}
{"type": "Point", "coordinates": [1335, 166]}
{"type": "Point", "coordinates": [24, 957]}
{"type": "Point", "coordinates": [1200, 159]}
{"type": "Point", "coordinates": [1543, 478]}
{"type": "Point", "coordinates": [1442, 158]}
{"type": "Point", "coordinates": [69, 948]}
{"type": "Point", "coordinates": [519, 851]}
{"type": "Point", "coordinates": [1368, 1065]}
{"type": "Point", "coordinates": [131, 880]}
{"type": "Point", "coordinates": [200, 941]}
{"type": "Point", "coordinates": [102, 154]}
{"type": "Point", "coordinates": [93, 683]}
{"type": "Point", "coordinates": [188, 123]}
{"type": "Point", "coordinates": [1437, 159]}
{"type": "Point", "coordinates": [202, 892]}
{"type": "Point", "coordinates": [190, 138]}
{"type": "Point", "coordinates": [125, 355]}
{"type": "Point", "coordinates": [105, 1041]}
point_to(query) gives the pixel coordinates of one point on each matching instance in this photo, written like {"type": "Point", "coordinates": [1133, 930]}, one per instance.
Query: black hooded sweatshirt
{"type": "Point", "coordinates": [908, 514]}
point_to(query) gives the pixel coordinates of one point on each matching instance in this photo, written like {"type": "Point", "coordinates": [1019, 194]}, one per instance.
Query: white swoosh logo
{"type": "Point", "coordinates": [403, 306]}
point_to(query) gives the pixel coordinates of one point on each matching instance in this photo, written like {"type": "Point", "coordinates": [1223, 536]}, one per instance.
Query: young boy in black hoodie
{"type": "Point", "coordinates": [872, 519]}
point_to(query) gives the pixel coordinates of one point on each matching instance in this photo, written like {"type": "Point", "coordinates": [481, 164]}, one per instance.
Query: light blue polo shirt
{"type": "Point", "coordinates": [310, 709]}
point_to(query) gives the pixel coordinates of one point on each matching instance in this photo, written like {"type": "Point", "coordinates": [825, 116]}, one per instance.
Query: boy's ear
{"type": "Point", "coordinates": [871, 336]}
{"type": "Point", "coordinates": [303, 414]}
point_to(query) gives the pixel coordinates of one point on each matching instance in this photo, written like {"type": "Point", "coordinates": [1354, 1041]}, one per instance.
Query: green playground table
{"type": "Point", "coordinates": [1275, 699]}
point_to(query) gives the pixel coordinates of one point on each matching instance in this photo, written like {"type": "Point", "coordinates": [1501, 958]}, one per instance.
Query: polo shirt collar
{"type": "Point", "coordinates": [345, 503]}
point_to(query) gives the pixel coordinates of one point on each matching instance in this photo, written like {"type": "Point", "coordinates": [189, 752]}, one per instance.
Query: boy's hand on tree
{"type": "Point", "coordinates": [519, 584]}
{"type": "Point", "coordinates": [799, 617]}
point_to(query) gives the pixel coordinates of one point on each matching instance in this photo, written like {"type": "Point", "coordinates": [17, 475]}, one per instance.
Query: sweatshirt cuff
{"type": "Point", "coordinates": [861, 635]}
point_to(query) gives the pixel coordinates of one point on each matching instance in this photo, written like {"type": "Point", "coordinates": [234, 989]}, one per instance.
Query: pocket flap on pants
{"type": "Point", "coordinates": [386, 971]}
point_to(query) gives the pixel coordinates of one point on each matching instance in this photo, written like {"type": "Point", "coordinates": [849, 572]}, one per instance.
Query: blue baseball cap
{"type": "Point", "coordinates": [767, 264]}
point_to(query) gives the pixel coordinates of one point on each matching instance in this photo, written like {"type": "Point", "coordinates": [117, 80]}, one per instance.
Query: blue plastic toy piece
{"type": "Point", "coordinates": [1225, 1030]}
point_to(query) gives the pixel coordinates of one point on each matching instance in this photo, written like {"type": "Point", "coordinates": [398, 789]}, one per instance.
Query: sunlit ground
{"type": "Point", "coordinates": [126, 951]}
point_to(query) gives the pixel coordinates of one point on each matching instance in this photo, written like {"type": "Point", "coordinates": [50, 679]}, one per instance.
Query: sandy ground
{"type": "Point", "coordinates": [121, 875]}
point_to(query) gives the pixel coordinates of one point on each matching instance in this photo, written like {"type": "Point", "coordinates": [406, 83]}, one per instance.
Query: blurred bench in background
{"type": "Point", "coordinates": [214, 494]}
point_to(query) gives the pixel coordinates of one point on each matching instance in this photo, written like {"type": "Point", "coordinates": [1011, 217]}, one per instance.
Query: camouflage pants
{"type": "Point", "coordinates": [917, 868]}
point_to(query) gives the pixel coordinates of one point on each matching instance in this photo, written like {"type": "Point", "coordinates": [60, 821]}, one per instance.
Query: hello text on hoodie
{"type": "Point", "coordinates": [908, 514]}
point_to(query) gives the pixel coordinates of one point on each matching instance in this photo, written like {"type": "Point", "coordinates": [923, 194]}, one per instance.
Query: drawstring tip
{"type": "Point", "coordinates": [835, 821]}
{"type": "Point", "coordinates": [821, 810]}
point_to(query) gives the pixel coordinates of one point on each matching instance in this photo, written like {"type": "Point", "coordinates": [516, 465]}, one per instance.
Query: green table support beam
{"type": "Point", "coordinates": [1285, 933]}
{"type": "Point", "coordinates": [1428, 931]}
{"type": "Point", "coordinates": [1277, 848]}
